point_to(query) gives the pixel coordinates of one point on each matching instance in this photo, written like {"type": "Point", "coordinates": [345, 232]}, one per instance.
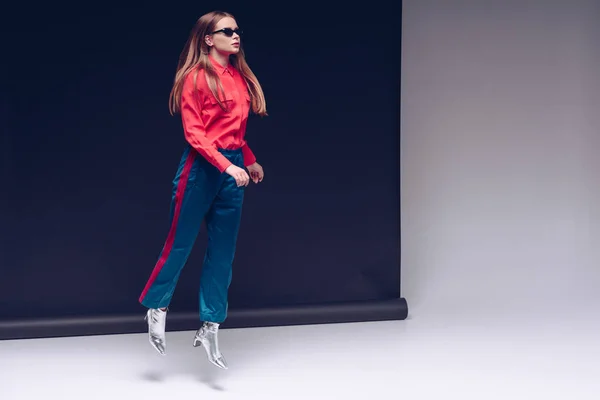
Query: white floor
{"type": "Point", "coordinates": [432, 356]}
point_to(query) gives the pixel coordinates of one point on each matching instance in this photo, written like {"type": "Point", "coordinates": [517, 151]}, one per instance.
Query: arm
{"type": "Point", "coordinates": [193, 126]}
{"type": "Point", "coordinates": [249, 157]}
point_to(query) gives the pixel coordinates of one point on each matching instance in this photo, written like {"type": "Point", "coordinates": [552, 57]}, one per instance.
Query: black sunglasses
{"type": "Point", "coordinates": [229, 32]}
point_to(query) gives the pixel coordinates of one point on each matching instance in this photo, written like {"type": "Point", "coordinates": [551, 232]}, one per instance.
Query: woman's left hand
{"type": "Point", "coordinates": [256, 172]}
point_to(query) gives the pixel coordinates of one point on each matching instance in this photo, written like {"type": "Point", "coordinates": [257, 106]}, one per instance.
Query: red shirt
{"type": "Point", "coordinates": [206, 126]}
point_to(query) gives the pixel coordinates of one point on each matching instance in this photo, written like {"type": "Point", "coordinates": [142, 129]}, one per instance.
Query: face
{"type": "Point", "coordinates": [226, 40]}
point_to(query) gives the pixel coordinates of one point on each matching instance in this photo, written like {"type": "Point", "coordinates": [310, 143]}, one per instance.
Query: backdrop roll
{"type": "Point", "coordinates": [90, 152]}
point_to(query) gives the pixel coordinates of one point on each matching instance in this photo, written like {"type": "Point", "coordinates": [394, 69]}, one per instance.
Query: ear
{"type": "Point", "coordinates": [208, 40]}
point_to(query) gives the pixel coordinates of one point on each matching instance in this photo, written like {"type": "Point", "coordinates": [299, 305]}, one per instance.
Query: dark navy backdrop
{"type": "Point", "coordinates": [89, 152]}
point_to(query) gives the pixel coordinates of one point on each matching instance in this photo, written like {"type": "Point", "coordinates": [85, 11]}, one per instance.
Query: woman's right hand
{"type": "Point", "coordinates": [240, 175]}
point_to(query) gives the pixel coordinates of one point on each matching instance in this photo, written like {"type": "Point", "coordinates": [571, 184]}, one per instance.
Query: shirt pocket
{"type": "Point", "coordinates": [226, 99]}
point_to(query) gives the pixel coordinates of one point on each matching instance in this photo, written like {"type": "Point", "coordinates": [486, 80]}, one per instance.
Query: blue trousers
{"type": "Point", "coordinates": [200, 192]}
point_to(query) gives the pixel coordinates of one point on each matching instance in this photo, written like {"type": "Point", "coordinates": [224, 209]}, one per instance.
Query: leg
{"type": "Point", "coordinates": [189, 205]}
{"type": "Point", "coordinates": [222, 222]}
{"type": "Point", "coordinates": [192, 193]}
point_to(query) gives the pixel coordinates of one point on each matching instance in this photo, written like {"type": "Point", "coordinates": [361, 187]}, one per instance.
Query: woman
{"type": "Point", "coordinates": [214, 91]}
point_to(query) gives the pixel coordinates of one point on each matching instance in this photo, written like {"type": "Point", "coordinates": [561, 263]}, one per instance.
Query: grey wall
{"type": "Point", "coordinates": [500, 155]}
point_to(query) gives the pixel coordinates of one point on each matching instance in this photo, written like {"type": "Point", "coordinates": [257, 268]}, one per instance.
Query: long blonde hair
{"type": "Point", "coordinates": [195, 57]}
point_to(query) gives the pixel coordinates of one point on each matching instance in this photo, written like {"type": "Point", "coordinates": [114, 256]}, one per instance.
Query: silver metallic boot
{"type": "Point", "coordinates": [156, 329]}
{"type": "Point", "coordinates": [207, 337]}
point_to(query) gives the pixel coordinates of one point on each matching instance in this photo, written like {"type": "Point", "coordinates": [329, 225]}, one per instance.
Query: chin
{"type": "Point", "coordinates": [229, 52]}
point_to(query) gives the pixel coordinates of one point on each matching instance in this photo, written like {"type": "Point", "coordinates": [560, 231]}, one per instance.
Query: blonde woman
{"type": "Point", "coordinates": [214, 91]}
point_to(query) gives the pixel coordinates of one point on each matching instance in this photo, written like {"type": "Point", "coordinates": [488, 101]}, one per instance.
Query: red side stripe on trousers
{"type": "Point", "coordinates": [183, 180]}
